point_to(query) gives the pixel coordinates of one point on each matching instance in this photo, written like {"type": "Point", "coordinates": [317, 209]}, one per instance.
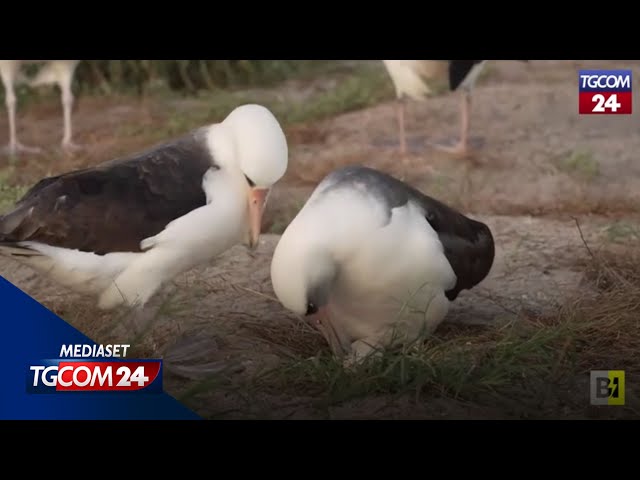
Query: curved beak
{"type": "Point", "coordinates": [257, 202]}
{"type": "Point", "coordinates": [322, 321]}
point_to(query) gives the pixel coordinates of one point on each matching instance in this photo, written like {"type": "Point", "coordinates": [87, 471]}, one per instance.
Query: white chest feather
{"type": "Point", "coordinates": [403, 259]}
{"type": "Point", "coordinates": [210, 229]}
{"type": "Point", "coordinates": [397, 275]}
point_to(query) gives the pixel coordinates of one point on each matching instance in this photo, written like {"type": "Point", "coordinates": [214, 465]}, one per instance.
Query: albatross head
{"type": "Point", "coordinates": [303, 270]}
{"type": "Point", "coordinates": [259, 155]}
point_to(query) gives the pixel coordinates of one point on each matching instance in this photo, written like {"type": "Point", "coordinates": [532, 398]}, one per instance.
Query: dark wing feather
{"type": "Point", "coordinates": [115, 205]}
{"type": "Point", "coordinates": [458, 71]}
{"type": "Point", "coordinates": [468, 244]}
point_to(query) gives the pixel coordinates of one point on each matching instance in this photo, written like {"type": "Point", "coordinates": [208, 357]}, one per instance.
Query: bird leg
{"type": "Point", "coordinates": [67, 105]}
{"type": "Point", "coordinates": [462, 148]}
{"type": "Point", "coordinates": [14, 146]}
{"type": "Point", "coordinates": [402, 137]}
{"type": "Point", "coordinates": [465, 115]}
{"type": "Point", "coordinates": [400, 114]}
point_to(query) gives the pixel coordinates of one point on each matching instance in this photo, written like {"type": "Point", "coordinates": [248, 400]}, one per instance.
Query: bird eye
{"type": "Point", "coordinates": [311, 309]}
{"type": "Point", "coordinates": [250, 182]}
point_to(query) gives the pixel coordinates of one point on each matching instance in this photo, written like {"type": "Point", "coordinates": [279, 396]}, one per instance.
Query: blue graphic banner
{"type": "Point", "coordinates": [31, 334]}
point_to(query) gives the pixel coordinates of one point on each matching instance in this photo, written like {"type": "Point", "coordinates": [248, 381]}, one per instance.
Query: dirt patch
{"type": "Point", "coordinates": [540, 166]}
{"type": "Point", "coordinates": [538, 156]}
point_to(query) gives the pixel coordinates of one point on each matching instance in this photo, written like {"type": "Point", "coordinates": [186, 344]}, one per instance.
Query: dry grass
{"type": "Point", "coordinates": [605, 325]}
{"type": "Point", "coordinates": [293, 340]}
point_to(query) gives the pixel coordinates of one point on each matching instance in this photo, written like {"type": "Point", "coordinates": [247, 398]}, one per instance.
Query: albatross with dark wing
{"type": "Point", "coordinates": [368, 257]}
{"type": "Point", "coordinates": [121, 229]}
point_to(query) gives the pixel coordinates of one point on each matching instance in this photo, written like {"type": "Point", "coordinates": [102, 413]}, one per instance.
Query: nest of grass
{"type": "Point", "coordinates": [523, 363]}
{"type": "Point", "coordinates": [606, 325]}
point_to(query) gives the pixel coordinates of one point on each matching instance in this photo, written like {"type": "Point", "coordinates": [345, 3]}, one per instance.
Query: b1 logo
{"type": "Point", "coordinates": [605, 92]}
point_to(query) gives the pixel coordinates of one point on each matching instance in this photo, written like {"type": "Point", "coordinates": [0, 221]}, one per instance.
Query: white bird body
{"type": "Point", "coordinates": [403, 286]}
{"type": "Point", "coordinates": [129, 266]}
{"type": "Point", "coordinates": [417, 79]}
{"type": "Point", "coordinates": [383, 264]}
{"type": "Point", "coordinates": [51, 72]}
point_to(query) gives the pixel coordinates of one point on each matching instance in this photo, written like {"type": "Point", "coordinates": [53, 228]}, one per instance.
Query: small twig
{"type": "Point", "coordinates": [273, 299]}
{"type": "Point", "coordinates": [494, 300]}
{"type": "Point", "coordinates": [583, 239]}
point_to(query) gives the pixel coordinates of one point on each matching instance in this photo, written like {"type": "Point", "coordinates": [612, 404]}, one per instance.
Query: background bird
{"type": "Point", "coordinates": [119, 230]}
{"type": "Point", "coordinates": [419, 79]}
{"type": "Point", "coordinates": [56, 72]}
{"type": "Point", "coordinates": [368, 257]}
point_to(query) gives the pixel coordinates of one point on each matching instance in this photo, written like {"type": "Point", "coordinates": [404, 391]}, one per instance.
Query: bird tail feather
{"type": "Point", "coordinates": [16, 250]}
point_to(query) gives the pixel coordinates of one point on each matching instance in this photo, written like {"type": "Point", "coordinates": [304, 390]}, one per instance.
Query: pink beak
{"type": "Point", "coordinates": [322, 321]}
{"type": "Point", "coordinates": [257, 202]}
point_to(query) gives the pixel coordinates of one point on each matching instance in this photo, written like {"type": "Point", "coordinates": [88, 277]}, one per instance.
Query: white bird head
{"type": "Point", "coordinates": [251, 142]}
{"type": "Point", "coordinates": [302, 269]}
{"type": "Point", "coordinates": [261, 148]}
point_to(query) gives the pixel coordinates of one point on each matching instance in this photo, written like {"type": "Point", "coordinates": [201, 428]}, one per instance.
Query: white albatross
{"type": "Point", "coordinates": [369, 257]}
{"type": "Point", "coordinates": [119, 230]}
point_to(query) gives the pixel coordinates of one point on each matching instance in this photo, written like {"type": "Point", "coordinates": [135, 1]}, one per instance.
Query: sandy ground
{"type": "Point", "coordinates": [541, 169]}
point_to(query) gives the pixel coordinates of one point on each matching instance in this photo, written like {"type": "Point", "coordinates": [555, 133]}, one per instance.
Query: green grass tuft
{"type": "Point", "coordinates": [9, 193]}
{"type": "Point", "coordinates": [484, 360]}
{"type": "Point", "coordinates": [581, 163]}
{"type": "Point", "coordinates": [622, 232]}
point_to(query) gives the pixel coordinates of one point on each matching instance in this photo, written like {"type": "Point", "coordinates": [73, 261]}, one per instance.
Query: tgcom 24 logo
{"type": "Point", "coordinates": [605, 92]}
{"type": "Point", "coordinates": [94, 368]}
